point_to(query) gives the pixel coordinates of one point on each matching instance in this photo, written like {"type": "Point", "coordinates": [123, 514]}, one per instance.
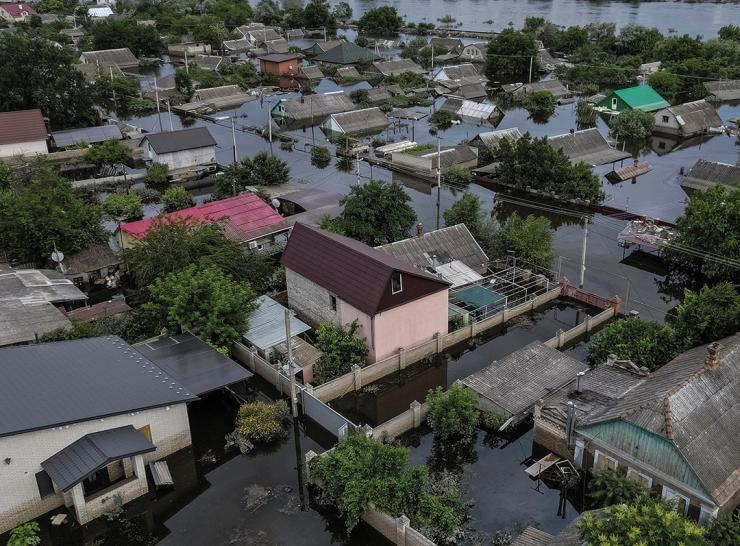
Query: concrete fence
{"type": "Point", "coordinates": [410, 419]}
{"type": "Point", "coordinates": [261, 367]}
{"type": "Point", "coordinates": [563, 338]}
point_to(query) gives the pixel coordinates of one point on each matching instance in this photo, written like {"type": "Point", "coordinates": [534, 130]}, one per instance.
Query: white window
{"type": "Point", "coordinates": [682, 501]}
{"type": "Point", "coordinates": [706, 513]}
{"type": "Point", "coordinates": [614, 104]}
{"type": "Point", "coordinates": [333, 302]}
{"type": "Point", "coordinates": [396, 282]}
{"type": "Point", "coordinates": [640, 478]}
{"type": "Point", "coordinates": [604, 462]}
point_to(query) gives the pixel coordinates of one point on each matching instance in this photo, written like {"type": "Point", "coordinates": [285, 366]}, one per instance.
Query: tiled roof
{"type": "Point", "coordinates": [588, 146]}
{"type": "Point", "coordinates": [18, 9]}
{"type": "Point", "coordinates": [354, 272]}
{"type": "Point", "coordinates": [346, 53]}
{"type": "Point", "coordinates": [695, 117]}
{"type": "Point", "coordinates": [22, 126]}
{"type": "Point", "coordinates": [246, 213]}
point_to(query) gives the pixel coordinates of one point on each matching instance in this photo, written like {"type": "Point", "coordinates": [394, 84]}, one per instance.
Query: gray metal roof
{"type": "Point", "coordinates": [725, 89]}
{"type": "Point", "coordinates": [397, 66]}
{"type": "Point", "coordinates": [588, 146]}
{"type": "Point", "coordinates": [312, 198]}
{"type": "Point", "coordinates": [53, 384]}
{"type": "Point", "coordinates": [316, 106]}
{"type": "Point", "coordinates": [694, 117]}
{"type": "Point", "coordinates": [438, 247]}
{"type": "Point", "coordinates": [267, 324]}
{"type": "Point", "coordinates": [221, 92]}
{"type": "Point", "coordinates": [492, 139]}
{"type": "Point", "coordinates": [705, 174]}
{"type": "Point", "coordinates": [557, 89]}
{"type": "Point", "coordinates": [346, 53]}
{"type": "Point", "coordinates": [517, 381]}
{"type": "Point", "coordinates": [460, 71]}
{"type": "Point", "coordinates": [348, 72]}
{"type": "Point", "coordinates": [122, 57]}
{"type": "Point", "coordinates": [176, 141]}
{"type": "Point", "coordinates": [311, 72]}
{"type": "Point", "coordinates": [367, 120]}
{"type": "Point", "coordinates": [192, 362]}
{"type": "Point", "coordinates": [91, 135]}
{"type": "Point", "coordinates": [78, 460]}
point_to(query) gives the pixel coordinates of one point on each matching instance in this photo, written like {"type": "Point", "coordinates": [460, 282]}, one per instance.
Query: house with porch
{"type": "Point", "coordinates": [688, 119]}
{"type": "Point", "coordinates": [23, 133]}
{"type": "Point", "coordinates": [336, 279]}
{"type": "Point", "coordinates": [640, 97]}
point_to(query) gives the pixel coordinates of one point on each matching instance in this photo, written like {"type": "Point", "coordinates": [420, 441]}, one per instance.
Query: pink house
{"type": "Point", "coordinates": [336, 279]}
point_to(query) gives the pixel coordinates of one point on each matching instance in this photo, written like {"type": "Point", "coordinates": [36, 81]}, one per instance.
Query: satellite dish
{"type": "Point", "coordinates": [57, 256]}
{"type": "Point", "coordinates": [276, 203]}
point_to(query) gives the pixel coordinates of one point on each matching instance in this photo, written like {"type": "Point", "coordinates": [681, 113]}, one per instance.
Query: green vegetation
{"type": "Point", "coordinates": [341, 349]}
{"type": "Point", "coordinates": [608, 487]}
{"type": "Point", "coordinates": [260, 170]}
{"type": "Point", "coordinates": [342, 12]}
{"type": "Point", "coordinates": [509, 55]}
{"type": "Point", "coordinates": [258, 423]}
{"type": "Point", "coordinates": [133, 327]}
{"type": "Point", "coordinates": [724, 530]}
{"type": "Point", "coordinates": [157, 174]}
{"type": "Point", "coordinates": [710, 221]}
{"type": "Point", "coordinates": [491, 420]}
{"type": "Point", "coordinates": [382, 21]}
{"type": "Point", "coordinates": [540, 103]}
{"type": "Point", "coordinates": [586, 115]}
{"type": "Point", "coordinates": [360, 471]}
{"type": "Point", "coordinates": [406, 80]}
{"type": "Point", "coordinates": [176, 198]}
{"type": "Point", "coordinates": [123, 206]}
{"type": "Point", "coordinates": [360, 97]}
{"type": "Point", "coordinates": [118, 33]}
{"type": "Point", "coordinates": [25, 534]}
{"type": "Point", "coordinates": [204, 301]}
{"type": "Point", "coordinates": [707, 315]}
{"type": "Point", "coordinates": [632, 125]}
{"type": "Point", "coordinates": [533, 163]}
{"type": "Point", "coordinates": [443, 119]}
{"type": "Point", "coordinates": [452, 413]}
{"type": "Point", "coordinates": [457, 176]}
{"type": "Point", "coordinates": [651, 522]}
{"type": "Point", "coordinates": [320, 156]}
{"type": "Point", "coordinates": [418, 148]}
{"type": "Point", "coordinates": [110, 153]}
{"type": "Point", "coordinates": [643, 342]}
{"type": "Point", "coordinates": [667, 84]}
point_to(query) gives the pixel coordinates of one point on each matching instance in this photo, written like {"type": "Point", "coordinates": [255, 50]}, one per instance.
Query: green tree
{"type": "Point", "coordinates": [458, 176]}
{"type": "Point", "coordinates": [157, 174]}
{"type": "Point", "coordinates": [710, 314]}
{"type": "Point", "coordinates": [176, 198]}
{"type": "Point", "coordinates": [453, 413]}
{"type": "Point", "coordinates": [651, 522]}
{"type": "Point", "coordinates": [638, 40]}
{"type": "Point", "coordinates": [667, 84]}
{"type": "Point", "coordinates": [443, 119]}
{"type": "Point", "coordinates": [541, 103]}
{"type": "Point", "coordinates": [608, 487]}
{"type": "Point", "coordinates": [259, 422]}
{"type": "Point", "coordinates": [267, 12]}
{"type": "Point", "coordinates": [25, 534]}
{"type": "Point", "coordinates": [65, 98]}
{"type": "Point", "coordinates": [118, 33]}
{"type": "Point", "coordinates": [320, 156]}
{"type": "Point", "coordinates": [341, 349]}
{"type": "Point", "coordinates": [360, 96]}
{"type": "Point", "coordinates": [38, 209]}
{"type": "Point", "coordinates": [377, 213]}
{"type": "Point", "coordinates": [59, 7]}
{"type": "Point", "coordinates": [342, 12]}
{"type": "Point", "coordinates": [406, 80]}
{"type": "Point", "coordinates": [724, 530]}
{"type": "Point", "coordinates": [382, 21]}
{"type": "Point", "coordinates": [110, 153]}
{"type": "Point", "coordinates": [530, 238]}
{"type": "Point", "coordinates": [293, 17]}
{"type": "Point", "coordinates": [468, 210]}
{"type": "Point", "coordinates": [317, 14]}
{"type": "Point", "coordinates": [123, 206]}
{"type": "Point", "coordinates": [710, 221]}
{"type": "Point", "coordinates": [730, 32]}
{"type": "Point", "coordinates": [632, 125]}
{"type": "Point", "coordinates": [184, 83]}
{"type": "Point", "coordinates": [171, 245]}
{"type": "Point", "coordinates": [204, 301]}
{"type": "Point", "coordinates": [260, 170]}
{"type": "Point", "coordinates": [643, 342]}
{"type": "Point", "coordinates": [510, 54]}
{"type": "Point", "coordinates": [232, 12]}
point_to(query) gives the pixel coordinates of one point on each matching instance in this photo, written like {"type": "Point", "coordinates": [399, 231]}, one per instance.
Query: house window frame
{"type": "Point", "coordinates": [614, 103]}
{"type": "Point", "coordinates": [670, 494]}
{"type": "Point", "coordinates": [666, 119]}
{"type": "Point", "coordinates": [400, 282]}
{"type": "Point", "coordinates": [707, 513]}
{"type": "Point", "coordinates": [579, 451]}
{"type": "Point", "coordinates": [45, 476]}
{"type": "Point", "coordinates": [631, 471]}
{"type": "Point", "coordinates": [598, 455]}
{"type": "Point", "coordinates": [332, 302]}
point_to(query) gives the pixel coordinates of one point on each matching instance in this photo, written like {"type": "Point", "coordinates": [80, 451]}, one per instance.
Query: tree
{"type": "Point", "coordinates": [132, 327]}
{"type": "Point", "coordinates": [540, 103]}
{"type": "Point", "coordinates": [724, 530]}
{"type": "Point", "coordinates": [377, 213]}
{"type": "Point", "coordinates": [638, 40]}
{"type": "Point", "coordinates": [651, 522]}
{"type": "Point", "coordinates": [667, 84]}
{"type": "Point", "coordinates": [609, 487]}
{"type": "Point", "coordinates": [176, 198]}
{"type": "Point", "coordinates": [320, 156]}
{"type": "Point", "coordinates": [406, 80]}
{"type": "Point", "coordinates": [293, 17]}
{"type": "Point", "coordinates": [260, 170]}
{"type": "Point", "coordinates": [257, 423]}
{"type": "Point", "coordinates": [710, 221]}
{"type": "Point", "coordinates": [107, 154]}
{"type": "Point", "coordinates": [232, 12]}
{"type": "Point", "coordinates": [341, 349]}
{"type": "Point", "coordinates": [530, 238]}
{"type": "Point", "coordinates": [730, 32]}
{"type": "Point", "coordinates": [267, 12]}
{"type": "Point", "coordinates": [317, 14]}
{"type": "Point", "coordinates": [65, 98]}
{"type": "Point", "coordinates": [510, 55]}
{"type": "Point", "coordinates": [452, 413]}
{"type": "Point", "coordinates": [118, 33]}
{"type": "Point", "coordinates": [467, 210]}
{"type": "Point", "coordinates": [204, 301]}
{"type": "Point", "coordinates": [457, 176]}
{"type": "Point", "coordinates": [382, 21]}
{"type": "Point", "coordinates": [25, 534]}
{"type": "Point", "coordinates": [123, 206]}
{"type": "Point", "coordinates": [342, 12]}
{"type": "Point", "coordinates": [710, 314]}
{"type": "Point", "coordinates": [634, 125]}
{"type": "Point", "coordinates": [360, 96]}
{"type": "Point", "coordinates": [643, 342]}
{"type": "Point", "coordinates": [157, 174]}
{"type": "Point", "coordinates": [171, 245]}
{"type": "Point", "coordinates": [184, 83]}
{"type": "Point", "coordinates": [443, 119]}
{"type": "Point", "coordinates": [38, 209]}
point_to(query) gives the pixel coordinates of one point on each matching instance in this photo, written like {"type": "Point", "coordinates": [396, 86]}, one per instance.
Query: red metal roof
{"type": "Point", "coordinates": [16, 9]}
{"type": "Point", "coordinates": [247, 214]}
{"type": "Point", "coordinates": [22, 126]}
{"type": "Point", "coordinates": [355, 272]}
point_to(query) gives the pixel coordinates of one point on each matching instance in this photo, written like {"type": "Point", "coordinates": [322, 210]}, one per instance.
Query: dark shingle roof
{"type": "Point", "coordinates": [355, 272]}
{"type": "Point", "coordinates": [92, 452]}
{"type": "Point", "coordinates": [91, 135]}
{"type": "Point", "coordinates": [696, 116]}
{"type": "Point", "coordinates": [588, 146]}
{"type": "Point", "coordinates": [725, 89]}
{"type": "Point", "coordinates": [277, 57]}
{"type": "Point", "coordinates": [708, 173]}
{"type": "Point", "coordinates": [346, 53]}
{"type": "Point", "coordinates": [89, 259]}
{"type": "Point", "coordinates": [184, 139]}
{"type": "Point", "coordinates": [22, 126]}
{"type": "Point", "coordinates": [53, 384]}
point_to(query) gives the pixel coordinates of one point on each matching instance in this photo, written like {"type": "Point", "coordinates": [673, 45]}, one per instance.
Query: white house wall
{"type": "Point", "coordinates": [184, 158]}
{"type": "Point", "coordinates": [21, 456]}
{"type": "Point", "coordinates": [35, 147]}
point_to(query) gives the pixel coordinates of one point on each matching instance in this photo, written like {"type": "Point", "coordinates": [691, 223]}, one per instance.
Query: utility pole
{"type": "Point", "coordinates": [169, 112]}
{"type": "Point", "coordinates": [531, 60]}
{"type": "Point", "coordinates": [293, 404]}
{"type": "Point", "coordinates": [583, 250]}
{"type": "Point", "coordinates": [439, 176]}
{"type": "Point", "coordinates": [431, 44]}
{"type": "Point", "coordinates": [310, 103]}
{"type": "Point", "coordinates": [233, 139]}
{"type": "Point", "coordinates": [358, 168]}
{"type": "Point", "coordinates": [156, 94]}
{"type": "Point", "coordinates": [187, 69]}
{"type": "Point", "coordinates": [113, 88]}
{"type": "Point", "coordinates": [269, 127]}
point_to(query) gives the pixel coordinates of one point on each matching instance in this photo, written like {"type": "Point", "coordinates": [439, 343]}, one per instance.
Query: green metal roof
{"type": "Point", "coordinates": [642, 97]}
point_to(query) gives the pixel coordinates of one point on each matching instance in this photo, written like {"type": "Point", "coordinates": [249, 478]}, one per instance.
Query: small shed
{"type": "Point", "coordinates": [91, 264]}
{"type": "Point", "coordinates": [90, 135]}
{"type": "Point", "coordinates": [313, 107]}
{"type": "Point", "coordinates": [279, 64]}
{"type": "Point", "coordinates": [310, 72]}
{"type": "Point", "coordinates": [706, 174]}
{"type": "Point", "coordinates": [641, 97]}
{"type": "Point", "coordinates": [471, 111]}
{"type": "Point", "coordinates": [181, 149]}
{"type": "Point", "coordinates": [267, 327]}
{"type": "Point", "coordinates": [357, 122]}
{"type": "Point", "coordinates": [686, 120]}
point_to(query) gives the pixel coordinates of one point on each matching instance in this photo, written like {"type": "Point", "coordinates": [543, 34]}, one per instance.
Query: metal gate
{"type": "Point", "coordinates": [325, 416]}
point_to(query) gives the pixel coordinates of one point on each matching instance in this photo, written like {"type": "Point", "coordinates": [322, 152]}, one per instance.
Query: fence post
{"type": "Point", "coordinates": [561, 338]}
{"type": "Point", "coordinates": [402, 522]}
{"type": "Point", "coordinates": [438, 339]}
{"type": "Point", "coordinates": [401, 358]}
{"type": "Point", "coordinates": [616, 305]}
{"type": "Point", "coordinates": [472, 327]}
{"type": "Point", "coordinates": [416, 413]}
{"type": "Point", "coordinates": [357, 371]}
{"type": "Point", "coordinates": [309, 455]}
{"type": "Point", "coordinates": [588, 323]}
{"type": "Point", "coordinates": [308, 388]}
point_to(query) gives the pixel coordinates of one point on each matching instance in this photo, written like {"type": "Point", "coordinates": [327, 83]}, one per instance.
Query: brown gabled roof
{"type": "Point", "coordinates": [353, 271]}
{"type": "Point", "coordinates": [22, 126]}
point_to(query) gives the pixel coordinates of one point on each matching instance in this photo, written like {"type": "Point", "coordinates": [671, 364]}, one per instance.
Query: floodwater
{"type": "Point", "coordinates": [705, 18]}
{"type": "Point", "coordinates": [390, 396]}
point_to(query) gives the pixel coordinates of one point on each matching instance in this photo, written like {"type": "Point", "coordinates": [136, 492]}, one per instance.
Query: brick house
{"type": "Point", "coordinates": [16, 12]}
{"type": "Point", "coordinates": [284, 66]}
{"type": "Point", "coordinates": [336, 279]}
{"type": "Point", "coordinates": [23, 133]}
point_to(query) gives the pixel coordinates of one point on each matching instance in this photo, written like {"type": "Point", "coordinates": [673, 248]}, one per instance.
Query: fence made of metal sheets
{"type": "Point", "coordinates": [325, 416]}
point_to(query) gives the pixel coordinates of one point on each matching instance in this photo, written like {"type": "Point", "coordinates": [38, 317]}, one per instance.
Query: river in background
{"type": "Point", "coordinates": [705, 18]}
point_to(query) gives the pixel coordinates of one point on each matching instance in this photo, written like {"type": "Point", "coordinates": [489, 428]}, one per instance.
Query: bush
{"type": "Point", "coordinates": [634, 125]}
{"type": "Point", "coordinates": [443, 119]}
{"type": "Point", "coordinates": [707, 315]}
{"type": "Point", "coordinates": [540, 102]}
{"type": "Point", "coordinates": [123, 206]}
{"type": "Point", "coordinates": [586, 115]}
{"type": "Point", "coordinates": [492, 420]}
{"type": "Point", "coordinates": [452, 413]}
{"type": "Point", "coordinates": [724, 530]}
{"type": "Point", "coordinates": [25, 534]}
{"type": "Point", "coordinates": [609, 487]}
{"type": "Point", "coordinates": [157, 174]}
{"type": "Point", "coordinates": [382, 21]}
{"type": "Point", "coordinates": [320, 156]}
{"type": "Point", "coordinates": [148, 195]}
{"type": "Point", "coordinates": [258, 422]}
{"type": "Point", "coordinates": [341, 349]}
{"type": "Point", "coordinates": [457, 175]}
{"type": "Point", "coordinates": [176, 198]}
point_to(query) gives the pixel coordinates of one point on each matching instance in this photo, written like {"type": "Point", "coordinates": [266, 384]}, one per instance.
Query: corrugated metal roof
{"type": "Point", "coordinates": [694, 117]}
{"type": "Point", "coordinates": [397, 66]}
{"type": "Point", "coordinates": [277, 46]}
{"type": "Point", "coordinates": [22, 126]}
{"type": "Point", "coordinates": [177, 141]}
{"type": "Point", "coordinates": [641, 97]}
{"type": "Point", "coordinates": [588, 146]}
{"type": "Point", "coordinates": [724, 89]}
{"type": "Point", "coordinates": [367, 120]}
{"type": "Point", "coordinates": [311, 72]}
{"type": "Point", "coordinates": [353, 271]}
{"type": "Point", "coordinates": [53, 384]}
{"type": "Point", "coordinates": [492, 139]}
{"type": "Point", "coordinates": [315, 106]}
{"type": "Point", "coordinates": [277, 57]}
{"type": "Point", "coordinates": [241, 44]}
{"type": "Point", "coordinates": [705, 174]}
{"type": "Point", "coordinates": [93, 451]}
{"type": "Point", "coordinates": [99, 310]}
{"type": "Point", "coordinates": [91, 135]}
{"type": "Point", "coordinates": [346, 53]}
{"type": "Point", "coordinates": [221, 92]}
{"type": "Point", "coordinates": [323, 46]}
{"type": "Point", "coordinates": [532, 536]}
{"type": "Point", "coordinates": [122, 57]}
{"type": "Point", "coordinates": [312, 198]}
{"type": "Point", "coordinates": [457, 72]}
{"type": "Point", "coordinates": [267, 324]}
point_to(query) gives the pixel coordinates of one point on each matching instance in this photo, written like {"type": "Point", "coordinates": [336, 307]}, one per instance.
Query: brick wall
{"type": "Point", "coordinates": [310, 299]}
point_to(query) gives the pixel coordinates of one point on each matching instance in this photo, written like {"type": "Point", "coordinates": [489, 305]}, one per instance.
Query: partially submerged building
{"type": "Point", "coordinates": [23, 133]}
{"type": "Point", "coordinates": [492, 139]}
{"type": "Point", "coordinates": [554, 87]}
{"type": "Point", "coordinates": [310, 72]}
{"type": "Point", "coordinates": [312, 108]}
{"type": "Point", "coordinates": [188, 49]}
{"type": "Point", "coordinates": [180, 149]}
{"type": "Point", "coordinates": [336, 279]}
{"type": "Point", "coordinates": [396, 67]}
{"type": "Point", "coordinates": [209, 62]}
{"type": "Point", "coordinates": [346, 53]}
{"type": "Point", "coordinates": [475, 52]}
{"type": "Point", "coordinates": [706, 174]}
{"type": "Point", "coordinates": [686, 120]}
{"type": "Point", "coordinates": [458, 72]}
{"type": "Point", "coordinates": [724, 90]}
{"type": "Point", "coordinates": [121, 58]}
{"type": "Point", "coordinates": [472, 111]}
{"type": "Point", "coordinates": [89, 135]}
{"type": "Point", "coordinates": [425, 161]}
{"type": "Point", "coordinates": [588, 146]}
{"type": "Point", "coordinates": [322, 46]}
{"type": "Point", "coordinates": [641, 97]}
{"type": "Point", "coordinates": [366, 121]}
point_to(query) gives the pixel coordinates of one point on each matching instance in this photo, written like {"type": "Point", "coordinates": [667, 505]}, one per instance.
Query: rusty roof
{"type": "Point", "coordinates": [22, 126]}
{"type": "Point", "coordinates": [353, 271]}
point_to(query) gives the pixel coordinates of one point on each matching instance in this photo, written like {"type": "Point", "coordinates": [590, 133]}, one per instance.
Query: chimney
{"type": "Point", "coordinates": [580, 380]}
{"type": "Point", "coordinates": [714, 352]}
{"type": "Point", "coordinates": [419, 229]}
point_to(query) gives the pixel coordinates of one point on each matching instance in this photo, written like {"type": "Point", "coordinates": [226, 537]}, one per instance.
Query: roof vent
{"type": "Point", "coordinates": [714, 352]}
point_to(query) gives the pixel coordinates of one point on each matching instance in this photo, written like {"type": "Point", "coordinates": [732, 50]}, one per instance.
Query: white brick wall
{"type": "Point", "coordinates": [21, 456]}
{"type": "Point", "coordinates": [310, 299]}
